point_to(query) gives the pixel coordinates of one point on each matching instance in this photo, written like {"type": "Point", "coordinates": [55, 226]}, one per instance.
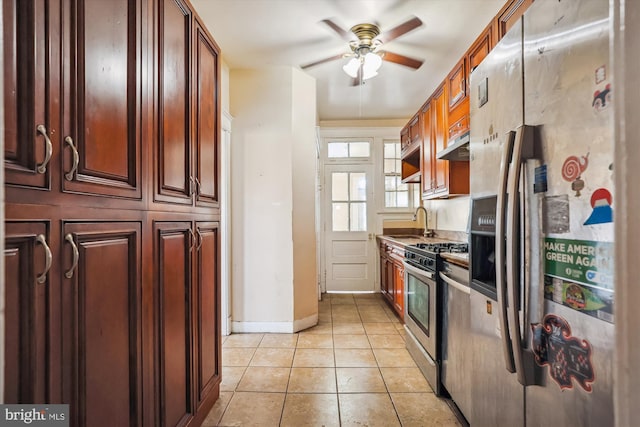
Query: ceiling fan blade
{"type": "Point", "coordinates": [322, 61]}
{"type": "Point", "coordinates": [344, 34]}
{"type": "Point", "coordinates": [401, 29]}
{"type": "Point", "coordinates": [402, 60]}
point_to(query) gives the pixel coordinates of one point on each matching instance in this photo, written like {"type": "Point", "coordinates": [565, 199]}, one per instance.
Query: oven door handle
{"type": "Point", "coordinates": [459, 286]}
{"type": "Point", "coordinates": [417, 271]}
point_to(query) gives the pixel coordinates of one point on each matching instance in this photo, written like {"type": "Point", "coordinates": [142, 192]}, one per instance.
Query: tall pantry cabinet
{"type": "Point", "coordinates": [112, 129]}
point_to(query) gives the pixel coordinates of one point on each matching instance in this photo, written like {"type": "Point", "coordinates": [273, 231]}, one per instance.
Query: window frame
{"type": "Point", "coordinates": [414, 195]}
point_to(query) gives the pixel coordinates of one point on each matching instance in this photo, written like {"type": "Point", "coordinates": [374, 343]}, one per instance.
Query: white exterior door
{"type": "Point", "coordinates": [348, 228]}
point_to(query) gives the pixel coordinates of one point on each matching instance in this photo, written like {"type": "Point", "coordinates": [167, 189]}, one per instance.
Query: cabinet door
{"type": "Point", "coordinates": [405, 139]}
{"type": "Point", "coordinates": [427, 149]}
{"type": "Point", "coordinates": [207, 308]}
{"type": "Point", "coordinates": [383, 272]}
{"type": "Point", "coordinates": [103, 65]}
{"type": "Point", "coordinates": [480, 48]}
{"type": "Point", "coordinates": [457, 84]}
{"type": "Point", "coordinates": [174, 243]}
{"type": "Point", "coordinates": [206, 108]}
{"type": "Point", "coordinates": [509, 15]}
{"type": "Point", "coordinates": [101, 323]}
{"type": "Point", "coordinates": [27, 290]}
{"type": "Point", "coordinates": [415, 132]}
{"type": "Point", "coordinates": [398, 270]}
{"type": "Point", "coordinates": [174, 181]}
{"type": "Point", "coordinates": [440, 167]}
{"type": "Point", "coordinates": [389, 276]}
{"type": "Point", "coordinates": [29, 127]}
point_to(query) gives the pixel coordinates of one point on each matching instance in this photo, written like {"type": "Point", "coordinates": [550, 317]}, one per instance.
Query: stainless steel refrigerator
{"type": "Point", "coordinates": [541, 223]}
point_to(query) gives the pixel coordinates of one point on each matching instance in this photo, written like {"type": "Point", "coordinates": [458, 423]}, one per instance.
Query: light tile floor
{"type": "Point", "coordinates": [352, 369]}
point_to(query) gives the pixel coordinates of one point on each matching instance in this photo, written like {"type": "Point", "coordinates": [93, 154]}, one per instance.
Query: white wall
{"type": "Point", "coordinates": [265, 103]}
{"type": "Point", "coordinates": [304, 209]}
{"type": "Point", "coordinates": [451, 214]}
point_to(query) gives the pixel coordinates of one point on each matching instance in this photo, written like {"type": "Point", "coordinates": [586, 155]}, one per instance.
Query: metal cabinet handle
{"type": "Point", "coordinates": [192, 184]}
{"type": "Point", "coordinates": [192, 240]}
{"type": "Point", "coordinates": [197, 186]}
{"type": "Point", "coordinates": [42, 168]}
{"type": "Point", "coordinates": [48, 258]}
{"type": "Point", "coordinates": [200, 239]}
{"type": "Point", "coordinates": [76, 158]}
{"type": "Point", "coordinates": [76, 255]}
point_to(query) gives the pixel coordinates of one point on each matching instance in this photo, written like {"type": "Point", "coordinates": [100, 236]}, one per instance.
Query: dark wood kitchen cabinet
{"type": "Point", "coordinates": [189, 105]}
{"type": "Point", "coordinates": [95, 93]}
{"type": "Point", "coordinates": [188, 297]}
{"type": "Point", "coordinates": [102, 300]}
{"type": "Point", "coordinates": [28, 290]}
{"type": "Point", "coordinates": [102, 57]}
{"type": "Point", "coordinates": [30, 28]}
{"type": "Point", "coordinates": [392, 274]}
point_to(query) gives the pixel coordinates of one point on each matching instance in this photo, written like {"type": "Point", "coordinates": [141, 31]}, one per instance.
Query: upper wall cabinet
{"type": "Point", "coordinates": [30, 89]}
{"type": "Point", "coordinates": [457, 84]}
{"type": "Point", "coordinates": [187, 128]}
{"type": "Point", "coordinates": [509, 15]}
{"type": "Point", "coordinates": [410, 144]}
{"type": "Point", "coordinates": [102, 65]}
{"type": "Point", "coordinates": [73, 90]}
{"type": "Point", "coordinates": [175, 182]}
{"type": "Point", "coordinates": [207, 128]}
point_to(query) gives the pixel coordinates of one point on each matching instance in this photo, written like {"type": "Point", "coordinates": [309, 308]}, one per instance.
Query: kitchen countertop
{"type": "Point", "coordinates": [410, 239]}
{"type": "Point", "coordinates": [457, 258]}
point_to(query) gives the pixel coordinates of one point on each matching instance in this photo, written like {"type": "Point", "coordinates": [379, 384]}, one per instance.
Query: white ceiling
{"type": "Point", "coordinates": [259, 33]}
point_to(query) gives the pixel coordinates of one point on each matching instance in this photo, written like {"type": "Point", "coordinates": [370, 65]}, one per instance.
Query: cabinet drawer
{"type": "Point", "coordinates": [459, 127]}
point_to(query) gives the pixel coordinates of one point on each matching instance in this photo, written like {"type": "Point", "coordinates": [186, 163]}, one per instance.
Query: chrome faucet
{"type": "Point", "coordinates": [427, 232]}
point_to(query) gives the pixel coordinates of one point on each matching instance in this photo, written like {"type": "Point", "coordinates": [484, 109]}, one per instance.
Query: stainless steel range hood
{"type": "Point", "coordinates": [458, 151]}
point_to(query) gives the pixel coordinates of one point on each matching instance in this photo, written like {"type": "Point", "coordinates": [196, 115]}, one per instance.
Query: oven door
{"type": "Point", "coordinates": [420, 307]}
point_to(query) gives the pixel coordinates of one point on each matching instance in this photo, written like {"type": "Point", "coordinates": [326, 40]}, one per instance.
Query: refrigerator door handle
{"type": "Point", "coordinates": [522, 149]}
{"type": "Point", "coordinates": [507, 151]}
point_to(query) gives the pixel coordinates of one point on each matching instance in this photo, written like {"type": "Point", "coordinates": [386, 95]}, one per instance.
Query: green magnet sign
{"type": "Point", "coordinates": [581, 261]}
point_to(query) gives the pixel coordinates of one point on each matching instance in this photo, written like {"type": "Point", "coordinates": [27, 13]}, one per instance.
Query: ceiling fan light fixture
{"type": "Point", "coordinates": [351, 67]}
{"type": "Point", "coordinates": [371, 65]}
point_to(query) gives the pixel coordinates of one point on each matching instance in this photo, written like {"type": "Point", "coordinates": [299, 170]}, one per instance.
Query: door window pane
{"type": "Point", "coordinates": [339, 186]}
{"type": "Point", "coordinates": [358, 217]}
{"type": "Point", "coordinates": [358, 186]}
{"type": "Point", "coordinates": [340, 216]}
{"type": "Point", "coordinates": [343, 150]}
{"type": "Point", "coordinates": [338, 149]}
{"type": "Point", "coordinates": [358, 149]}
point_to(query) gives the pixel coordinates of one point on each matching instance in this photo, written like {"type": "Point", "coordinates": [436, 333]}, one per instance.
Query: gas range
{"type": "Point", "coordinates": [424, 255]}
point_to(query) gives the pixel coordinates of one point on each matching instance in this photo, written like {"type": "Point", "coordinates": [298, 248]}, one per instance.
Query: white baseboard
{"type": "Point", "coordinates": [274, 327]}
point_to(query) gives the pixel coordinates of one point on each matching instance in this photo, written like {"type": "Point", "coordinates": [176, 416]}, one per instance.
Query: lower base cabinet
{"type": "Point", "coordinates": [392, 275]}
{"type": "Point", "coordinates": [101, 331]}
{"type": "Point", "coordinates": [119, 319]}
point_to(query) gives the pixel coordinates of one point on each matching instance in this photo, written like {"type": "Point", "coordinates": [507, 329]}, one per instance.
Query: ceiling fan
{"type": "Point", "coordinates": [365, 41]}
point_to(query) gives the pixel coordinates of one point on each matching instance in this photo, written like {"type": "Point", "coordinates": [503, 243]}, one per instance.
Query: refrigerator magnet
{"type": "Point", "coordinates": [568, 357]}
{"type": "Point", "coordinates": [602, 98]}
{"type": "Point", "coordinates": [601, 203]}
{"type": "Point", "coordinates": [572, 170]}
